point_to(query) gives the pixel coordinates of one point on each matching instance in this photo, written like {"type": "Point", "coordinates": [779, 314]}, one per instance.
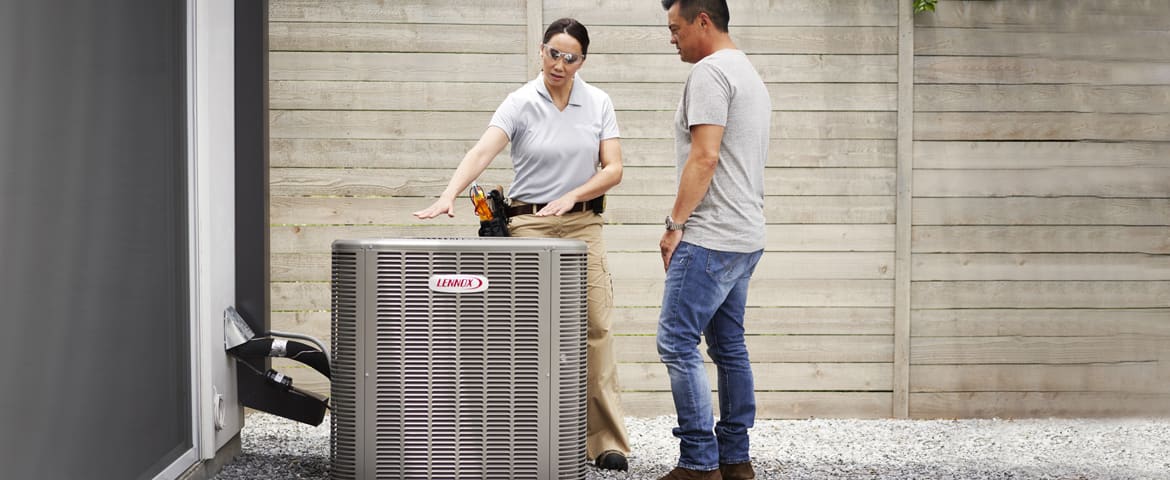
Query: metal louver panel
{"type": "Point", "coordinates": [572, 305]}
{"type": "Point", "coordinates": [477, 385]}
{"type": "Point", "coordinates": [344, 389]}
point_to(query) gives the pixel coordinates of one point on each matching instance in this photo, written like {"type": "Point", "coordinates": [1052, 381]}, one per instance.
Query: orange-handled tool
{"type": "Point", "coordinates": [480, 202]}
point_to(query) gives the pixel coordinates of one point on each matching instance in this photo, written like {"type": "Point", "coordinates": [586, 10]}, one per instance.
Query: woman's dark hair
{"type": "Point", "coordinates": [571, 28]}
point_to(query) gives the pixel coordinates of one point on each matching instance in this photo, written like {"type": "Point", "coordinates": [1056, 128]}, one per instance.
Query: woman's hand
{"type": "Point", "coordinates": [558, 207]}
{"type": "Point", "coordinates": [440, 207]}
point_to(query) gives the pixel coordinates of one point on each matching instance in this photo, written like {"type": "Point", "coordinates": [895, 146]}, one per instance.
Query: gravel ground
{"type": "Point", "coordinates": [275, 448]}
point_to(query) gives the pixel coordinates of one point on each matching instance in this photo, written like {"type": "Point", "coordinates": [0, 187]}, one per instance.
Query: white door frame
{"type": "Point", "coordinates": [210, 120]}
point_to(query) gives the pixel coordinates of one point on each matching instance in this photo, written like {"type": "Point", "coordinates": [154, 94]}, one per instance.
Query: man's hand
{"type": "Point", "coordinates": [440, 207]}
{"type": "Point", "coordinates": [669, 242]}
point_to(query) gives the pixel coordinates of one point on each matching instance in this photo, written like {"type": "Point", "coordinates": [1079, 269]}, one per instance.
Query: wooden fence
{"type": "Point", "coordinates": [969, 210]}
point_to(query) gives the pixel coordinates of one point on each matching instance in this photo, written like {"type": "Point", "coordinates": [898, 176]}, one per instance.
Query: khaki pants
{"type": "Point", "coordinates": [606, 426]}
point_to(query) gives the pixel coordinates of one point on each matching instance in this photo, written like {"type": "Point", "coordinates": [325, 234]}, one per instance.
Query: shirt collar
{"type": "Point", "coordinates": [576, 95]}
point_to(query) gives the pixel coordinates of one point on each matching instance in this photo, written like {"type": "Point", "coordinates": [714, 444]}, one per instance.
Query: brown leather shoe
{"type": "Point", "coordinates": [680, 473]}
{"type": "Point", "coordinates": [737, 471]}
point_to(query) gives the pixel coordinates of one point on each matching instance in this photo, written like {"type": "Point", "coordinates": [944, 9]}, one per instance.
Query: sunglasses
{"type": "Point", "coordinates": [570, 58]}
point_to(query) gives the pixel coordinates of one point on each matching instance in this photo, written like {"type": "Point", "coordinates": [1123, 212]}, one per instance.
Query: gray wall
{"type": "Point", "coordinates": [94, 374]}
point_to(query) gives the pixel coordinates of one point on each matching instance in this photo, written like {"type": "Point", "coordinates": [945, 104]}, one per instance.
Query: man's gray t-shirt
{"type": "Point", "coordinates": [724, 89]}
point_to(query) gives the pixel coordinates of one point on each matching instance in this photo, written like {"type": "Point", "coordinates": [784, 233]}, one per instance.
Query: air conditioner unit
{"type": "Point", "coordinates": [458, 358]}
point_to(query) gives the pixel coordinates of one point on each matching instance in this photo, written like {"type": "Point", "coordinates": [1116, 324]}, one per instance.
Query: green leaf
{"type": "Point", "coordinates": [924, 5]}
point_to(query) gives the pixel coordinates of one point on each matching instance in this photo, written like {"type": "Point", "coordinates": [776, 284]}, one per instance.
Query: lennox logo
{"type": "Point", "coordinates": [458, 283]}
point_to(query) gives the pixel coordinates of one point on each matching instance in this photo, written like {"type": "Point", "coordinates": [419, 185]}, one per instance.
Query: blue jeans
{"type": "Point", "coordinates": [706, 293]}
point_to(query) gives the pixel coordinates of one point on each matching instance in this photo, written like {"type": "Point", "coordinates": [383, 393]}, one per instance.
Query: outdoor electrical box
{"type": "Point", "coordinates": [458, 358]}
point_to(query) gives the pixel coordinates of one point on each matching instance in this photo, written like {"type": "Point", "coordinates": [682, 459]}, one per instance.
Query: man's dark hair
{"type": "Point", "coordinates": [689, 9]}
{"type": "Point", "coordinates": [572, 28]}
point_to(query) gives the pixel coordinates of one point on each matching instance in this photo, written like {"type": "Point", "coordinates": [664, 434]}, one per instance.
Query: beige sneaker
{"type": "Point", "coordinates": [737, 471]}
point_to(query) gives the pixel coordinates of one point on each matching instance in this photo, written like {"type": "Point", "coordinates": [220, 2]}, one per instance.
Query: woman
{"type": "Point", "coordinates": [561, 130]}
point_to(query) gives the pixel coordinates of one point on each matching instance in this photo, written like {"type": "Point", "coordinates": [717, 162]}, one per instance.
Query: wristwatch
{"type": "Point", "coordinates": [671, 226]}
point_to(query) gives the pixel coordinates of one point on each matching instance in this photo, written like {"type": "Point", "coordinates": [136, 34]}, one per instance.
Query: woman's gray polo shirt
{"type": "Point", "coordinates": [554, 151]}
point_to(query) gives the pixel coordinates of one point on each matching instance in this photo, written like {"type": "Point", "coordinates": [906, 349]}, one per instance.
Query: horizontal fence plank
{"type": "Point", "coordinates": [618, 238]}
{"type": "Point", "coordinates": [1043, 98]}
{"type": "Point", "coordinates": [779, 348]}
{"type": "Point", "coordinates": [402, 37]}
{"type": "Point", "coordinates": [365, 182]}
{"type": "Point", "coordinates": [1041, 239]}
{"type": "Point", "coordinates": [782, 152]}
{"type": "Point", "coordinates": [433, 125]}
{"type": "Point", "coordinates": [1010, 70]}
{"type": "Point", "coordinates": [486, 12]}
{"type": "Point", "coordinates": [1098, 46]}
{"type": "Point", "coordinates": [1041, 294]}
{"type": "Point", "coordinates": [1140, 377]}
{"type": "Point", "coordinates": [314, 267]}
{"type": "Point", "coordinates": [1040, 322]}
{"type": "Point", "coordinates": [398, 67]}
{"type": "Point", "coordinates": [313, 323]}
{"type": "Point", "coordinates": [349, 95]}
{"type": "Point", "coordinates": [619, 209]}
{"type": "Point", "coordinates": [773, 376]}
{"type": "Point", "coordinates": [777, 405]}
{"type": "Point", "coordinates": [292, 296]}
{"type": "Point", "coordinates": [509, 67]}
{"type": "Point", "coordinates": [383, 153]}
{"type": "Point", "coordinates": [644, 321]}
{"type": "Point", "coordinates": [790, 12]}
{"type": "Point", "coordinates": [775, 321]}
{"type": "Point", "coordinates": [1034, 350]}
{"type": "Point", "coordinates": [808, 238]}
{"type": "Point", "coordinates": [378, 124]}
{"type": "Point", "coordinates": [1050, 15]}
{"type": "Point", "coordinates": [1027, 155]}
{"type": "Point", "coordinates": [446, 154]}
{"type": "Point", "coordinates": [635, 181]}
{"type": "Point", "coordinates": [657, 68]}
{"type": "Point", "coordinates": [774, 293]}
{"type": "Point", "coordinates": [486, 97]}
{"type": "Point", "coordinates": [785, 96]}
{"type": "Point", "coordinates": [833, 96]}
{"type": "Point", "coordinates": [1109, 182]}
{"type": "Point", "coordinates": [1040, 126]}
{"type": "Point", "coordinates": [1036, 404]}
{"type": "Point", "coordinates": [770, 404]}
{"type": "Point", "coordinates": [868, 321]}
{"type": "Point", "coordinates": [775, 265]}
{"type": "Point", "coordinates": [1041, 211]}
{"type": "Point", "coordinates": [754, 39]}
{"type": "Point", "coordinates": [1041, 266]}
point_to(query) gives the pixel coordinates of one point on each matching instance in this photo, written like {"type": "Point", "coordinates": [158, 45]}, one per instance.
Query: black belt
{"type": "Point", "coordinates": [530, 208]}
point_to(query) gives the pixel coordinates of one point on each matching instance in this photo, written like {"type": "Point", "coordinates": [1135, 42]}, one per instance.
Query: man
{"type": "Point", "coordinates": [714, 238]}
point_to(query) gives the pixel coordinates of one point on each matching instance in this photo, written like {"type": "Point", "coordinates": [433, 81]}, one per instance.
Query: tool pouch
{"type": "Point", "coordinates": [498, 225]}
{"type": "Point", "coordinates": [597, 205]}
